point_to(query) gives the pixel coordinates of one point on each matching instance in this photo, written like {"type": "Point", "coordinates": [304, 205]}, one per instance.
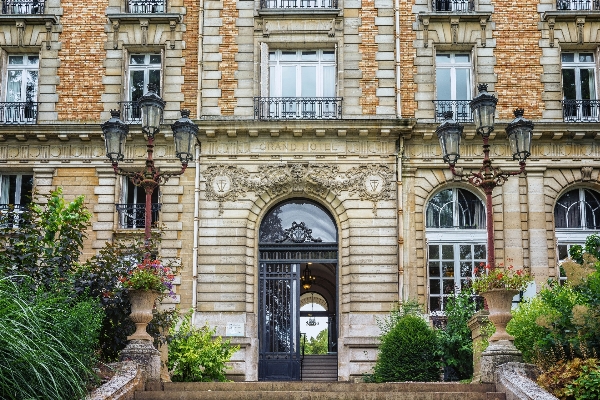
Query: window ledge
{"type": "Point", "coordinates": [31, 19]}
{"type": "Point", "coordinates": [152, 17]}
{"type": "Point", "coordinates": [571, 15]}
{"type": "Point", "coordinates": [446, 16]}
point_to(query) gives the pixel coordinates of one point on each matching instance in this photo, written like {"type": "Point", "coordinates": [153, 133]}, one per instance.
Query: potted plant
{"type": "Point", "coordinates": [498, 286]}
{"type": "Point", "coordinates": [146, 282]}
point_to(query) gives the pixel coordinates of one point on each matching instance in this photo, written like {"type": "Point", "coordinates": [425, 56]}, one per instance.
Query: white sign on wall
{"type": "Point", "coordinates": [234, 329]}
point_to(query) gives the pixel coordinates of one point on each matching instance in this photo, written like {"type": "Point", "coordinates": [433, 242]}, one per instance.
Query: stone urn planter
{"type": "Point", "coordinates": [499, 302]}
{"type": "Point", "coordinates": [142, 303]}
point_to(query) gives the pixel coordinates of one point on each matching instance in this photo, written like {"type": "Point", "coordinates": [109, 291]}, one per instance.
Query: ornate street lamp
{"type": "Point", "coordinates": [115, 134]}
{"type": "Point", "coordinates": [519, 133]}
{"type": "Point", "coordinates": [307, 280]}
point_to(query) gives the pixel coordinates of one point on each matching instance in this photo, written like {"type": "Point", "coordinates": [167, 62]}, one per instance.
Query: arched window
{"type": "Point", "coordinates": [576, 216]}
{"type": "Point", "coordinates": [456, 242]}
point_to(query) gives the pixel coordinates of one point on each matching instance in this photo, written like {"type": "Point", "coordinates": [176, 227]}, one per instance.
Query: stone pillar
{"type": "Point", "coordinates": [496, 354]}
{"type": "Point", "coordinates": [146, 355]}
{"type": "Point", "coordinates": [476, 324]}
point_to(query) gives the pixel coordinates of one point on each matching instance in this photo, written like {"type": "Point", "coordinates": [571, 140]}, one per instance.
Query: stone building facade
{"type": "Point", "coordinates": [317, 148]}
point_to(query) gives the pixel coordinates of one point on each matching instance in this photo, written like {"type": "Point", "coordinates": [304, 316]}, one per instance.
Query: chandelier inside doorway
{"type": "Point", "coordinates": [312, 321]}
{"type": "Point", "coordinates": [307, 279]}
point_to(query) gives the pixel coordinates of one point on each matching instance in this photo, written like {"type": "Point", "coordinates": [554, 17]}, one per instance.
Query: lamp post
{"type": "Point", "coordinates": [519, 133]}
{"type": "Point", "coordinates": [115, 133]}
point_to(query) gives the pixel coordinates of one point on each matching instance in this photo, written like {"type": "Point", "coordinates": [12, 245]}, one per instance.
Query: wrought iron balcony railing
{"type": "Point", "coordinates": [576, 5]}
{"type": "Point", "coordinates": [460, 108]}
{"type": "Point", "coordinates": [11, 215]}
{"type": "Point", "coordinates": [146, 6]}
{"type": "Point", "coordinates": [23, 7]}
{"type": "Point", "coordinates": [131, 112]}
{"type": "Point", "coordinates": [133, 216]}
{"type": "Point", "coordinates": [297, 107]}
{"type": "Point", "coordinates": [18, 113]}
{"type": "Point", "coordinates": [457, 6]}
{"type": "Point", "coordinates": [298, 4]}
{"type": "Point", "coordinates": [580, 110]}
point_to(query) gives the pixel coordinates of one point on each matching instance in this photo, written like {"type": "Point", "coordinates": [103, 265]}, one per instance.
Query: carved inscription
{"type": "Point", "coordinates": [340, 147]}
{"type": "Point", "coordinates": [370, 182]}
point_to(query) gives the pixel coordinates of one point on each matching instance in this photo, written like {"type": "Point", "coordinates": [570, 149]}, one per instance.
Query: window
{"type": "Point", "coordinates": [453, 85]}
{"type": "Point", "coordinates": [143, 70]}
{"type": "Point", "coordinates": [21, 89]}
{"type": "Point", "coordinates": [456, 237]}
{"type": "Point", "coordinates": [146, 6]}
{"type": "Point", "coordinates": [132, 210]}
{"type": "Point", "coordinates": [454, 5]}
{"type": "Point", "coordinates": [577, 5]}
{"type": "Point", "coordinates": [299, 4]}
{"type": "Point", "coordinates": [576, 216]}
{"type": "Point", "coordinates": [302, 84]}
{"type": "Point", "coordinates": [579, 87]}
{"type": "Point", "coordinates": [22, 7]}
{"type": "Point", "coordinates": [15, 194]}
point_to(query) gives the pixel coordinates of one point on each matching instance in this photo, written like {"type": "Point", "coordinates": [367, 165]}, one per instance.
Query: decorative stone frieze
{"type": "Point", "coordinates": [369, 182]}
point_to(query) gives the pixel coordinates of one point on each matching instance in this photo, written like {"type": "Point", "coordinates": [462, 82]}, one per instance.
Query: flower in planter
{"type": "Point", "coordinates": [510, 278]}
{"type": "Point", "coordinates": [149, 275]}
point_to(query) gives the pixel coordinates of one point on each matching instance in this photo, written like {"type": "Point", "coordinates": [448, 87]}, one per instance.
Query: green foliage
{"type": "Point", "coordinates": [409, 307]}
{"type": "Point", "coordinates": [587, 385]}
{"type": "Point", "coordinates": [195, 356]}
{"type": "Point", "coordinates": [456, 343]}
{"type": "Point", "coordinates": [559, 379]}
{"type": "Point", "coordinates": [47, 244]}
{"type": "Point", "coordinates": [500, 278]}
{"type": "Point", "coordinates": [408, 352]}
{"type": "Point", "coordinates": [48, 341]}
{"type": "Point", "coordinates": [318, 345]}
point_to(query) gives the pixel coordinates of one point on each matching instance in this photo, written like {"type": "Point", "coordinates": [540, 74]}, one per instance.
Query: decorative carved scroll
{"type": "Point", "coordinates": [551, 22]}
{"type": "Point", "coordinates": [483, 24]}
{"type": "Point", "coordinates": [20, 32]}
{"type": "Point", "coordinates": [48, 33]}
{"type": "Point", "coordinates": [586, 173]}
{"type": "Point", "coordinates": [369, 182]}
{"type": "Point", "coordinates": [425, 22]}
{"type": "Point", "coordinates": [454, 29]}
{"type": "Point", "coordinates": [172, 25]}
{"type": "Point", "coordinates": [144, 26]}
{"type": "Point", "coordinates": [580, 24]}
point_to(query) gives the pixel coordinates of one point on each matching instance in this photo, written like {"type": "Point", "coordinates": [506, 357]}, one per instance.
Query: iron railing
{"type": "Point", "coordinates": [297, 107]}
{"type": "Point", "coordinates": [146, 6]}
{"type": "Point", "coordinates": [131, 112]}
{"type": "Point", "coordinates": [133, 216]}
{"type": "Point", "coordinates": [457, 6]}
{"type": "Point", "coordinates": [299, 4]}
{"type": "Point", "coordinates": [18, 113]}
{"type": "Point", "coordinates": [460, 108]}
{"type": "Point", "coordinates": [23, 7]}
{"type": "Point", "coordinates": [575, 5]}
{"type": "Point", "coordinates": [11, 215]}
{"type": "Point", "coordinates": [580, 110]}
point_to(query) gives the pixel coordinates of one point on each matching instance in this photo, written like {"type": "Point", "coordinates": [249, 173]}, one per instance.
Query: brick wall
{"type": "Point", "coordinates": [518, 58]}
{"type": "Point", "coordinates": [82, 56]}
{"type": "Point", "coordinates": [228, 50]}
{"type": "Point", "coordinates": [190, 53]}
{"type": "Point", "coordinates": [407, 57]}
{"type": "Point", "coordinates": [368, 65]}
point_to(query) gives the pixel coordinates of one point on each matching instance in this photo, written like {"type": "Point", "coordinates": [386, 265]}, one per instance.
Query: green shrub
{"type": "Point", "coordinates": [456, 343]}
{"type": "Point", "coordinates": [559, 379]}
{"type": "Point", "coordinates": [48, 342]}
{"type": "Point", "coordinates": [408, 353]}
{"type": "Point", "coordinates": [587, 385]}
{"type": "Point", "coordinates": [195, 356]}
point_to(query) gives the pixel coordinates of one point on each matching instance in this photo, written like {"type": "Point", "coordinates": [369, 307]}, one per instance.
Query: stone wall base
{"type": "Point", "coordinates": [497, 353]}
{"type": "Point", "coordinates": [146, 355]}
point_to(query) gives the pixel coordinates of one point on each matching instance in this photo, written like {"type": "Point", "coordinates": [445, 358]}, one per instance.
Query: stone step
{"type": "Point", "coordinates": [322, 391]}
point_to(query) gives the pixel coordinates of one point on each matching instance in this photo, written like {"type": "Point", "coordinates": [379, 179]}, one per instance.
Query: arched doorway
{"type": "Point", "coordinates": [295, 236]}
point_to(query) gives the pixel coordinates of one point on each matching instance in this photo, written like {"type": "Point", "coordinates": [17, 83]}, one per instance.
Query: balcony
{"type": "Point", "coordinates": [22, 7]}
{"type": "Point", "coordinates": [130, 112]}
{"type": "Point", "coordinates": [18, 113]}
{"type": "Point", "coordinates": [11, 215]}
{"type": "Point", "coordinates": [577, 5]}
{"type": "Point", "coordinates": [277, 108]}
{"type": "Point", "coordinates": [146, 6]}
{"type": "Point", "coordinates": [460, 108]}
{"type": "Point", "coordinates": [298, 4]}
{"type": "Point", "coordinates": [133, 216]}
{"type": "Point", "coordinates": [580, 110]}
{"type": "Point", "coordinates": [453, 6]}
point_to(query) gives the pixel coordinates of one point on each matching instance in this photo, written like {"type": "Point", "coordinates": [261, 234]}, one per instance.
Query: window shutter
{"type": "Point", "coordinates": [264, 70]}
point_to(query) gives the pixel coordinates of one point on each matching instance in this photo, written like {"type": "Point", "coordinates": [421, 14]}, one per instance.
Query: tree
{"type": "Point", "coordinates": [318, 345]}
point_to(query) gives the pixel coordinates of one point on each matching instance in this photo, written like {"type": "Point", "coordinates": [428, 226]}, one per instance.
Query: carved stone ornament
{"type": "Point", "coordinates": [298, 233]}
{"type": "Point", "coordinates": [370, 182]}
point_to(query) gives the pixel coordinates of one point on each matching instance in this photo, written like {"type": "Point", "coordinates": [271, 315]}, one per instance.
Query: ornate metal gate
{"type": "Point", "coordinates": [279, 357]}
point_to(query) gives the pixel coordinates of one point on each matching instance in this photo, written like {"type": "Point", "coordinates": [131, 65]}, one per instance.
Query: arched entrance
{"type": "Point", "coordinates": [295, 236]}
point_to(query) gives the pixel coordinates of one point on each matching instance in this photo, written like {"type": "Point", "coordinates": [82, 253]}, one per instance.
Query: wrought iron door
{"type": "Point", "coordinates": [279, 299]}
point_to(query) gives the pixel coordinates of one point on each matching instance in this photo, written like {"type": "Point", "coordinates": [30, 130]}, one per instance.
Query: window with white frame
{"type": "Point", "coordinates": [15, 194]}
{"type": "Point", "coordinates": [579, 86]}
{"type": "Point", "coordinates": [576, 216]}
{"type": "Point", "coordinates": [132, 210]}
{"type": "Point", "coordinates": [146, 6]}
{"type": "Point", "coordinates": [144, 69]}
{"type": "Point", "coordinates": [453, 85]}
{"type": "Point", "coordinates": [21, 89]}
{"type": "Point", "coordinates": [456, 242]}
{"type": "Point", "coordinates": [304, 81]}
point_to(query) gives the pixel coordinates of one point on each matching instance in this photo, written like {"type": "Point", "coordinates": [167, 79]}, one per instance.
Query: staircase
{"type": "Point", "coordinates": [322, 391]}
{"type": "Point", "coordinates": [321, 368]}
